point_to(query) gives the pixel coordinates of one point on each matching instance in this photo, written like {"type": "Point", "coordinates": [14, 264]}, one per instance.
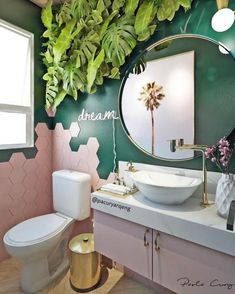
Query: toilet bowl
{"type": "Point", "coordinates": [40, 243]}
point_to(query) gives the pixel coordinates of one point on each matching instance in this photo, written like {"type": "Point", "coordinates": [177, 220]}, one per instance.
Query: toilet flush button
{"type": "Point", "coordinates": [85, 239]}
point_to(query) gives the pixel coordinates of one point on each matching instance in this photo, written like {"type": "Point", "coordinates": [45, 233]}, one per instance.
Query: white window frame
{"type": "Point", "coordinates": [27, 110]}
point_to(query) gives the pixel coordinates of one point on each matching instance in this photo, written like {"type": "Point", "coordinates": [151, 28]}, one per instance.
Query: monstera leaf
{"type": "Point", "coordinates": [119, 40]}
{"type": "Point", "coordinates": [87, 40]}
{"type": "Point", "coordinates": [74, 79]}
{"type": "Point", "coordinates": [87, 47]}
{"type": "Point", "coordinates": [144, 17]}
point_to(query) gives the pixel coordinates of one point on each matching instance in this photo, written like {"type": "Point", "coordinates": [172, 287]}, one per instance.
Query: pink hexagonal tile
{"type": "Point", "coordinates": [30, 210]}
{"type": "Point", "coordinates": [16, 207]}
{"type": "Point", "coordinates": [5, 169]}
{"type": "Point", "coordinates": [83, 166]}
{"type": "Point", "coordinates": [30, 181]}
{"type": "Point", "coordinates": [43, 159]}
{"type": "Point", "coordinates": [94, 179]}
{"type": "Point", "coordinates": [41, 129]}
{"type": "Point", "coordinates": [6, 201]}
{"type": "Point", "coordinates": [5, 185]}
{"type": "Point", "coordinates": [44, 205]}
{"type": "Point", "coordinates": [93, 144]}
{"type": "Point", "coordinates": [83, 152]}
{"type": "Point", "coordinates": [74, 160]}
{"type": "Point", "coordinates": [5, 216]}
{"type": "Point", "coordinates": [41, 143]}
{"type": "Point", "coordinates": [100, 183]}
{"type": "Point", "coordinates": [30, 195]}
{"type": "Point", "coordinates": [17, 191]}
{"type": "Point", "coordinates": [17, 175]}
{"type": "Point", "coordinates": [58, 131]}
{"type": "Point", "coordinates": [74, 129]}
{"type": "Point", "coordinates": [17, 160]}
{"type": "Point", "coordinates": [93, 161]}
{"type": "Point", "coordinates": [111, 178]}
{"type": "Point", "coordinates": [30, 165]}
{"type": "Point", "coordinates": [50, 112]}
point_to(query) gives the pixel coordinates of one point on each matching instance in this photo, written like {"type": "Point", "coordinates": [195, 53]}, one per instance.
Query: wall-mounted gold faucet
{"type": "Point", "coordinates": [178, 144]}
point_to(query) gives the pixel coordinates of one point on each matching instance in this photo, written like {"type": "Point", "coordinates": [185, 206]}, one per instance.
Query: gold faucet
{"type": "Point", "coordinates": [179, 144]}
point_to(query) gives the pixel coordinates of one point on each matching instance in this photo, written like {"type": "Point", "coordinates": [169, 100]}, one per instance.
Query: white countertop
{"type": "Point", "coordinates": [188, 221]}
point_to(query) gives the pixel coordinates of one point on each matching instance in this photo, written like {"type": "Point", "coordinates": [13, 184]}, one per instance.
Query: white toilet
{"type": "Point", "coordinates": [40, 243]}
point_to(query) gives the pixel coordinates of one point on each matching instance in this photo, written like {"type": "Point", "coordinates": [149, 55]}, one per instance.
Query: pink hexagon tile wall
{"type": "Point", "coordinates": [85, 159]}
{"type": "Point", "coordinates": [25, 184]}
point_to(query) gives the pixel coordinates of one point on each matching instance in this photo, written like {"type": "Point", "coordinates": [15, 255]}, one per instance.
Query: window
{"type": "Point", "coordinates": [16, 87]}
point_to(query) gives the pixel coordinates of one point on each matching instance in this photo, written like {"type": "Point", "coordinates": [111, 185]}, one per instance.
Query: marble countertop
{"type": "Point", "coordinates": [188, 221]}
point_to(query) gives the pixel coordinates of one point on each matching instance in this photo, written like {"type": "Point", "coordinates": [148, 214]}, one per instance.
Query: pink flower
{"type": "Point", "coordinates": [221, 154]}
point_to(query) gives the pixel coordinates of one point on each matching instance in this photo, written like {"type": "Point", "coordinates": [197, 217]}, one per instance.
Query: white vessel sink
{"type": "Point", "coordinates": [165, 188]}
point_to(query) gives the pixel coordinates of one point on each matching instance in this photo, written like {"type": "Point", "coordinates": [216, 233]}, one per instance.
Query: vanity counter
{"type": "Point", "coordinates": [188, 221]}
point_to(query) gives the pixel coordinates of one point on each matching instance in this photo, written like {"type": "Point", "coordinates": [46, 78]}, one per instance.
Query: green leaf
{"type": "Point", "coordinates": [101, 6]}
{"type": "Point", "coordinates": [92, 69]}
{"type": "Point", "coordinates": [73, 80]}
{"type": "Point", "coordinates": [48, 57]}
{"type": "Point", "coordinates": [106, 23]}
{"type": "Point", "coordinates": [88, 45]}
{"type": "Point", "coordinates": [117, 4]}
{"type": "Point", "coordinates": [119, 40]}
{"type": "Point", "coordinates": [64, 40]}
{"type": "Point", "coordinates": [143, 19]}
{"type": "Point", "coordinates": [47, 15]}
{"type": "Point", "coordinates": [167, 9]}
{"type": "Point", "coordinates": [185, 3]}
{"type": "Point", "coordinates": [115, 74]}
{"type": "Point", "coordinates": [147, 33]}
{"type": "Point", "coordinates": [131, 6]}
{"type": "Point", "coordinates": [58, 99]}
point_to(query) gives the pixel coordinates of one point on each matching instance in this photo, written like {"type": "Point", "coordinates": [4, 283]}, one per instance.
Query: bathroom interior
{"type": "Point", "coordinates": [125, 142]}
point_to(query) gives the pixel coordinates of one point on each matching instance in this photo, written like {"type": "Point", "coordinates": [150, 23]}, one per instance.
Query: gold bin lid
{"type": "Point", "coordinates": [83, 243]}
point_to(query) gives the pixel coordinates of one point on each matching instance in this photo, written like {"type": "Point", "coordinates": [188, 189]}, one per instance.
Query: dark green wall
{"type": "Point", "coordinates": [196, 21]}
{"type": "Point", "coordinates": [27, 15]}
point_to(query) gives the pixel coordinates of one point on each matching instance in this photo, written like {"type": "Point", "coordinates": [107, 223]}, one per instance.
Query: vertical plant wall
{"type": "Point", "coordinates": [87, 41]}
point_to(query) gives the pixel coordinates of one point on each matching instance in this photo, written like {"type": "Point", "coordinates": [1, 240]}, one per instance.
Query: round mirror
{"type": "Point", "coordinates": [179, 88]}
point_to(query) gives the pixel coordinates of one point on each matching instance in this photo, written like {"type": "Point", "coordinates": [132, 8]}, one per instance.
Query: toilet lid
{"type": "Point", "coordinates": [37, 229]}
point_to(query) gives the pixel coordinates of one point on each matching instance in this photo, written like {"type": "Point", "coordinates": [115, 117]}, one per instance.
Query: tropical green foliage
{"type": "Point", "coordinates": [87, 40]}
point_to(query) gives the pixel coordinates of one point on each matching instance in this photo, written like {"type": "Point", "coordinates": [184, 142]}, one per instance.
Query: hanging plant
{"type": "Point", "coordinates": [88, 40]}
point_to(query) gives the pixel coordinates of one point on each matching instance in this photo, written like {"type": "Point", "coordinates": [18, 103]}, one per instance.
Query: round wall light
{"type": "Point", "coordinates": [222, 20]}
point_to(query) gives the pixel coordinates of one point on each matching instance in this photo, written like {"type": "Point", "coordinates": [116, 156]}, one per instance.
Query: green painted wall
{"type": "Point", "coordinates": [27, 15]}
{"type": "Point", "coordinates": [196, 21]}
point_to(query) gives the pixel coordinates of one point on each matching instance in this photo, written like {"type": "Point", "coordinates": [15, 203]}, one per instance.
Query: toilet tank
{"type": "Point", "coordinates": [72, 193]}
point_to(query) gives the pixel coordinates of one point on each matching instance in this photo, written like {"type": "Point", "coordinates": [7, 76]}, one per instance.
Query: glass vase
{"type": "Point", "coordinates": [225, 193]}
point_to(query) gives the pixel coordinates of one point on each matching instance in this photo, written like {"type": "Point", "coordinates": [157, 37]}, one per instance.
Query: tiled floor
{"type": "Point", "coordinates": [114, 282]}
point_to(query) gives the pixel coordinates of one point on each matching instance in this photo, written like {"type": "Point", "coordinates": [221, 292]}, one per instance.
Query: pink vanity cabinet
{"type": "Point", "coordinates": [124, 242]}
{"type": "Point", "coordinates": [179, 265]}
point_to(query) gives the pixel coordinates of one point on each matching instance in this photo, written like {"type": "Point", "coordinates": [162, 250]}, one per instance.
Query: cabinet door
{"type": "Point", "coordinates": [188, 268]}
{"type": "Point", "coordinates": [125, 242]}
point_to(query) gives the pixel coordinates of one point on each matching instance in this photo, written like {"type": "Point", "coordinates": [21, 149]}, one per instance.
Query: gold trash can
{"type": "Point", "coordinates": [84, 263]}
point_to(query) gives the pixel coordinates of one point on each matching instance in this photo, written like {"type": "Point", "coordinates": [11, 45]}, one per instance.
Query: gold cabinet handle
{"type": "Point", "coordinates": [146, 243]}
{"type": "Point", "coordinates": [156, 243]}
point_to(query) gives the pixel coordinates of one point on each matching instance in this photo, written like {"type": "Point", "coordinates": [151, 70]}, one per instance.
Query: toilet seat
{"type": "Point", "coordinates": [36, 229]}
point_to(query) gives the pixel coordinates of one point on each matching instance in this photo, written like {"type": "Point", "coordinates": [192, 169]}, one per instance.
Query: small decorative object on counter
{"type": "Point", "coordinates": [221, 155]}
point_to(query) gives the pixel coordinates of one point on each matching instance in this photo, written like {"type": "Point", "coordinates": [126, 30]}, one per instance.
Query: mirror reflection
{"type": "Point", "coordinates": [170, 93]}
